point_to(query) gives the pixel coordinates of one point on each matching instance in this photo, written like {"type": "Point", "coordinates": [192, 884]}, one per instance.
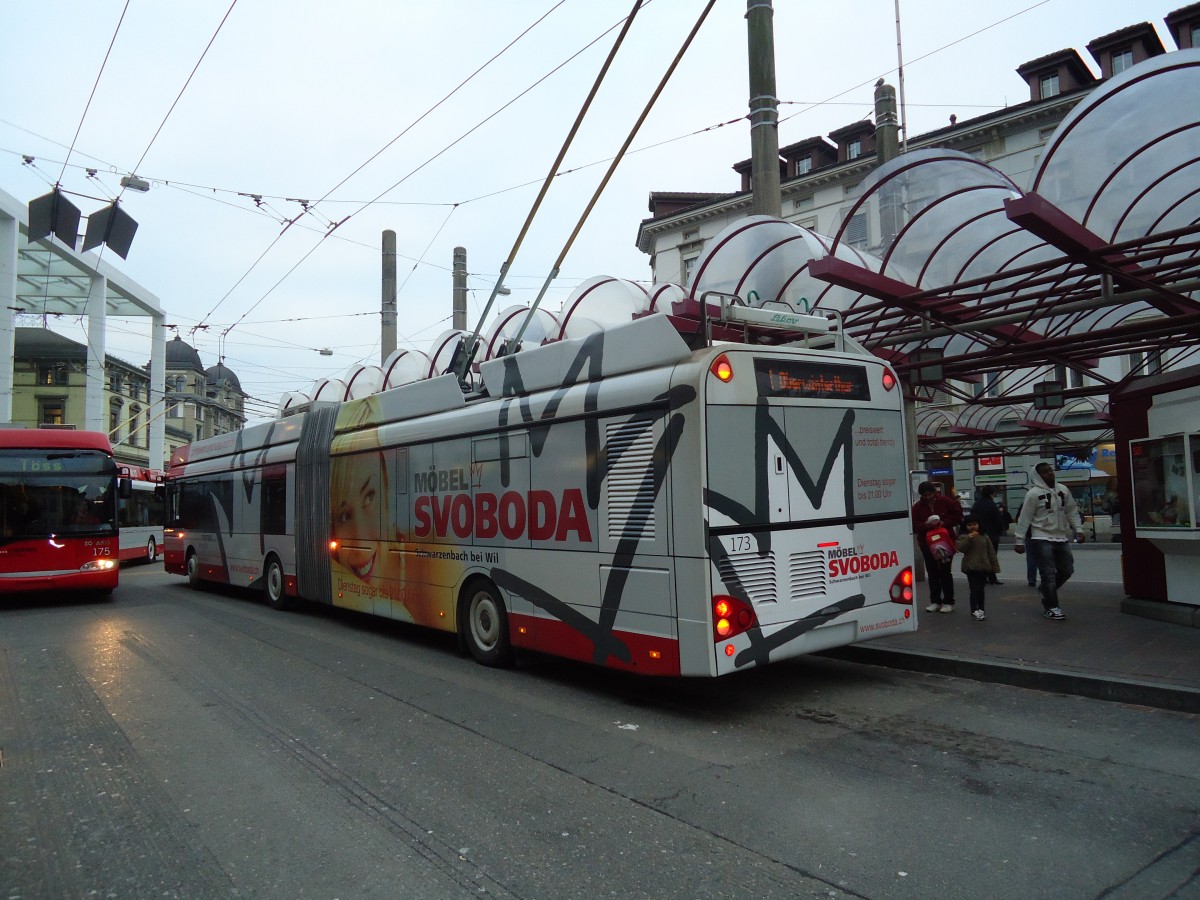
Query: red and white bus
{"type": "Point", "coordinates": [141, 512]}
{"type": "Point", "coordinates": [618, 498]}
{"type": "Point", "coordinates": [58, 511]}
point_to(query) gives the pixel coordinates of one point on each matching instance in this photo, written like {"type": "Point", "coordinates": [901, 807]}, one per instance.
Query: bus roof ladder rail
{"type": "Point", "coordinates": [733, 310]}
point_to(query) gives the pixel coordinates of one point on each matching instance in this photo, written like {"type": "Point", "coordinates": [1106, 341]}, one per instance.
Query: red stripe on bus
{"type": "Point", "coordinates": [557, 638]}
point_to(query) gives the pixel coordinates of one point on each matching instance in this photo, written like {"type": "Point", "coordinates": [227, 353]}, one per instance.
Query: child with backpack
{"type": "Point", "coordinates": [979, 563]}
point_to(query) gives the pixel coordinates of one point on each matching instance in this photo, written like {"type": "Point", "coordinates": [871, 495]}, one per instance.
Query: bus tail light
{"type": "Point", "coordinates": [731, 616]}
{"type": "Point", "coordinates": [722, 368]}
{"type": "Point", "coordinates": [902, 587]}
{"type": "Point", "coordinates": [333, 545]}
{"type": "Point", "coordinates": [889, 379]}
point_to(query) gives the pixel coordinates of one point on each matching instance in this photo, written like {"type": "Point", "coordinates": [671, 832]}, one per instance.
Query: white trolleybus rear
{"type": "Point", "coordinates": [640, 498]}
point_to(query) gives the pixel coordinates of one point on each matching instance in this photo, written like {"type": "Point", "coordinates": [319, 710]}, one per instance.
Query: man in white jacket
{"type": "Point", "coordinates": [1051, 513]}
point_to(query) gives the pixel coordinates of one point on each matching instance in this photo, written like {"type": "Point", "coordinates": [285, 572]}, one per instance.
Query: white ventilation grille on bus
{"type": "Point", "coordinates": [629, 486]}
{"type": "Point", "coordinates": [806, 575]}
{"type": "Point", "coordinates": [756, 574]}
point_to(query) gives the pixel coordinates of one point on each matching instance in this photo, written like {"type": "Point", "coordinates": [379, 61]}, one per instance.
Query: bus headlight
{"type": "Point", "coordinates": [98, 565]}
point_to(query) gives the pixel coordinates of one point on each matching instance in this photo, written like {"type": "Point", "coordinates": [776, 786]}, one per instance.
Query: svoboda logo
{"type": "Point", "coordinates": [845, 561]}
{"type": "Point", "coordinates": [538, 515]}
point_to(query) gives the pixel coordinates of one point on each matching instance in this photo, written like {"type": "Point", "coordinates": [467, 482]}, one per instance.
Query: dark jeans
{"type": "Point", "coordinates": [1055, 564]}
{"type": "Point", "coordinates": [976, 581]}
{"type": "Point", "coordinates": [940, 577]}
{"type": "Point", "coordinates": [1031, 571]}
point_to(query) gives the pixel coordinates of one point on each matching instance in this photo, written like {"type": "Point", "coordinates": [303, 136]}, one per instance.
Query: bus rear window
{"type": "Point", "coordinates": [808, 380]}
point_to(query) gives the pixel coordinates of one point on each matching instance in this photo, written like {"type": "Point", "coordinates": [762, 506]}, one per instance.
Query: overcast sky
{"type": "Point", "coordinates": [292, 98]}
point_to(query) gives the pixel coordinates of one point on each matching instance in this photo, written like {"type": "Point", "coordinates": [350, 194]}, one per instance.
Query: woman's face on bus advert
{"type": "Point", "coordinates": [356, 514]}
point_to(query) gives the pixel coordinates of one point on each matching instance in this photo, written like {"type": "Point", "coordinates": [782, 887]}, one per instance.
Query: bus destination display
{"type": "Point", "coordinates": [811, 380]}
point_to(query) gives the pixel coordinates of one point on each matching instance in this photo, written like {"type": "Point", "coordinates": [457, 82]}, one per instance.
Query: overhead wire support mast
{"type": "Point", "coordinates": [516, 340]}
{"type": "Point", "coordinates": [465, 352]}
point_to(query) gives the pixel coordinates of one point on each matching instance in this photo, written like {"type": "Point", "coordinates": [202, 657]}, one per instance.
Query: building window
{"type": "Point", "coordinates": [1050, 86]}
{"type": "Point", "coordinates": [116, 382]}
{"type": "Point", "coordinates": [856, 230]}
{"type": "Point", "coordinates": [689, 266]}
{"type": "Point", "coordinates": [803, 204]}
{"type": "Point", "coordinates": [114, 421]}
{"type": "Point", "coordinates": [51, 412]}
{"type": "Point", "coordinates": [1121, 60]}
{"type": "Point", "coordinates": [174, 410]}
{"type": "Point", "coordinates": [199, 432]}
{"type": "Point", "coordinates": [52, 374]}
{"type": "Point", "coordinates": [135, 416]}
{"type": "Point", "coordinates": [804, 165]}
{"type": "Point", "coordinates": [1146, 363]}
{"type": "Point", "coordinates": [1196, 35]}
{"type": "Point", "coordinates": [854, 149]}
{"type": "Point", "coordinates": [988, 387]}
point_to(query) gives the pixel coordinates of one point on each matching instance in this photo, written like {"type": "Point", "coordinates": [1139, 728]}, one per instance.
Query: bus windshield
{"type": "Point", "coordinates": [48, 492]}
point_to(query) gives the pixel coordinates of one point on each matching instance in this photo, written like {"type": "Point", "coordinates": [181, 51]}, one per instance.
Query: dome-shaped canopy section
{"type": "Point", "coordinates": [1099, 258]}
{"type": "Point", "coordinates": [221, 373]}
{"type": "Point", "coordinates": [1117, 162]}
{"type": "Point", "coordinates": [765, 261]}
{"type": "Point", "coordinates": [182, 355]}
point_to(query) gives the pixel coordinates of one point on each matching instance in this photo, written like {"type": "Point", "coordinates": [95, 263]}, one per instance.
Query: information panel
{"type": "Point", "coordinates": [803, 379]}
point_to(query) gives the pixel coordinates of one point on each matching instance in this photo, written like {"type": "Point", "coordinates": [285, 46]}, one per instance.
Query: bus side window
{"type": "Point", "coordinates": [274, 503]}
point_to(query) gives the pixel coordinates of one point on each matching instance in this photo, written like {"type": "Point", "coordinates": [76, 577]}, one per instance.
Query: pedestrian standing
{"type": "Point", "coordinates": [1050, 514]}
{"type": "Point", "coordinates": [987, 513]}
{"type": "Point", "coordinates": [979, 563]}
{"type": "Point", "coordinates": [940, 578]}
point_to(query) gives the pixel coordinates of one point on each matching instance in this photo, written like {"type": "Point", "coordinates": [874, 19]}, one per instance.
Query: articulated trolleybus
{"type": "Point", "coordinates": [618, 498]}
{"type": "Point", "coordinates": [58, 511]}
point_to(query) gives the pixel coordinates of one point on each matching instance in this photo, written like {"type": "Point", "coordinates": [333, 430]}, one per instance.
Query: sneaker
{"type": "Point", "coordinates": [1056, 614]}
{"type": "Point", "coordinates": [947, 607]}
{"type": "Point", "coordinates": [978, 615]}
{"type": "Point", "coordinates": [933, 607]}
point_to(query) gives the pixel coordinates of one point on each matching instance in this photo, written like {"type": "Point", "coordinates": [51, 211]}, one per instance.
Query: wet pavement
{"type": "Point", "coordinates": [1098, 651]}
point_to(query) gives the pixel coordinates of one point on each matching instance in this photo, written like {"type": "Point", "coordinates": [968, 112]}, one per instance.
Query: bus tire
{"type": "Point", "coordinates": [151, 550]}
{"type": "Point", "coordinates": [273, 586]}
{"type": "Point", "coordinates": [193, 570]}
{"type": "Point", "coordinates": [483, 624]}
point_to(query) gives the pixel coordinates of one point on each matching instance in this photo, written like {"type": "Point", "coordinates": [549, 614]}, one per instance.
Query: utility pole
{"type": "Point", "coordinates": [459, 322]}
{"type": "Point", "coordinates": [387, 337]}
{"type": "Point", "coordinates": [764, 109]}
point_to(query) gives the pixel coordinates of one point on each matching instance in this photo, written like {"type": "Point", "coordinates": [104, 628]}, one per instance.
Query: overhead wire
{"type": "Point", "coordinates": [376, 155]}
{"type": "Point", "coordinates": [183, 89]}
{"type": "Point", "coordinates": [87, 106]}
{"type": "Point", "coordinates": [414, 171]}
{"type": "Point", "coordinates": [732, 121]}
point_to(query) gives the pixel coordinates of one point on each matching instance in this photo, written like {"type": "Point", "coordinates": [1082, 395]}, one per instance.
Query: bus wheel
{"type": "Point", "coordinates": [193, 570]}
{"type": "Point", "coordinates": [151, 550]}
{"type": "Point", "coordinates": [273, 585]}
{"type": "Point", "coordinates": [483, 622]}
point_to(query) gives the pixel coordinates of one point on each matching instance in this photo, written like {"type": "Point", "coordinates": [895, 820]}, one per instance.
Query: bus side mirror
{"type": "Point", "coordinates": [124, 488]}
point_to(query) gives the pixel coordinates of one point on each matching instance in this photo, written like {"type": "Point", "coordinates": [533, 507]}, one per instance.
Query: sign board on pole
{"type": "Point", "coordinates": [989, 463]}
{"type": "Point", "coordinates": [990, 478]}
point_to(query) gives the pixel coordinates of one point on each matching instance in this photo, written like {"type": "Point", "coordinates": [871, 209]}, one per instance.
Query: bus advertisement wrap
{"type": "Point", "coordinates": [618, 499]}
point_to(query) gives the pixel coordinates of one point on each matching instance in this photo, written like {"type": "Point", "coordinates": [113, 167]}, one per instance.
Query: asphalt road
{"type": "Point", "coordinates": [170, 743]}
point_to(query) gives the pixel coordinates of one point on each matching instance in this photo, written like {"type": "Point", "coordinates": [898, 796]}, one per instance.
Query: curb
{"type": "Point", "coordinates": [1177, 698]}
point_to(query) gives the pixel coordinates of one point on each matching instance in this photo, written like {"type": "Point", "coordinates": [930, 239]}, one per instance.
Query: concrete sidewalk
{"type": "Point", "coordinates": [1097, 651]}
